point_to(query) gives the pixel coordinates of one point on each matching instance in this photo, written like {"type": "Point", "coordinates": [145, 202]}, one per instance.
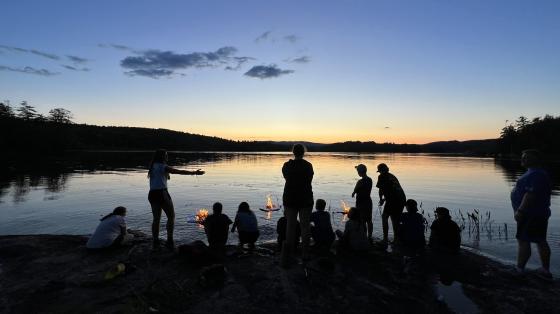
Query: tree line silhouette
{"type": "Point", "coordinates": [539, 133]}
{"type": "Point", "coordinates": [25, 129]}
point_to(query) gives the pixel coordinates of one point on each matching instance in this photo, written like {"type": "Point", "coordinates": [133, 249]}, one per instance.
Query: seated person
{"type": "Point", "coordinates": [412, 229]}
{"type": "Point", "coordinates": [321, 228]}
{"type": "Point", "coordinates": [355, 235]}
{"type": "Point", "coordinates": [110, 232]}
{"type": "Point", "coordinates": [246, 224]}
{"type": "Point", "coordinates": [281, 230]}
{"type": "Point", "coordinates": [216, 227]}
{"type": "Point", "coordinates": [445, 234]}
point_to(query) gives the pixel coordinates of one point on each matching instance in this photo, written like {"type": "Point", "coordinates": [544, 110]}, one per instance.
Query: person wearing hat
{"type": "Point", "coordinates": [364, 204]}
{"type": "Point", "coordinates": [392, 195]}
{"type": "Point", "coordinates": [445, 234]}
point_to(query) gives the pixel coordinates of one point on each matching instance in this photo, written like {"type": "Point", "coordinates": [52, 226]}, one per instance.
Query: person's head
{"type": "Point", "coordinates": [382, 168]}
{"type": "Point", "coordinates": [530, 158]}
{"type": "Point", "coordinates": [442, 213]}
{"type": "Point", "coordinates": [120, 210]}
{"type": "Point", "coordinates": [217, 208]}
{"type": "Point", "coordinates": [361, 169]}
{"type": "Point", "coordinates": [353, 214]}
{"type": "Point", "coordinates": [298, 150]}
{"type": "Point", "coordinates": [160, 156]}
{"type": "Point", "coordinates": [243, 207]}
{"type": "Point", "coordinates": [411, 206]}
{"type": "Point", "coordinates": [320, 204]}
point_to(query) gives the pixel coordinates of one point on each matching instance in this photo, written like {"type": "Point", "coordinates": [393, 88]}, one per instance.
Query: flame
{"type": "Point", "coordinates": [345, 207]}
{"type": "Point", "coordinates": [201, 215]}
{"type": "Point", "coordinates": [269, 203]}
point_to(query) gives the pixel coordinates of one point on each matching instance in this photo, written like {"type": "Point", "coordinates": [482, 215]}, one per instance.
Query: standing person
{"type": "Point", "coordinates": [110, 232]}
{"type": "Point", "coordinates": [364, 204]}
{"type": "Point", "coordinates": [246, 223]}
{"type": "Point", "coordinates": [298, 200]}
{"type": "Point", "coordinates": [392, 194]}
{"type": "Point", "coordinates": [216, 227]}
{"type": "Point", "coordinates": [530, 200]}
{"type": "Point", "coordinates": [159, 197]}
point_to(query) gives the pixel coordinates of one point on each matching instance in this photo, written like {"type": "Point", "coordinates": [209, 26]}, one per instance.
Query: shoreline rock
{"type": "Point", "coordinates": [57, 274]}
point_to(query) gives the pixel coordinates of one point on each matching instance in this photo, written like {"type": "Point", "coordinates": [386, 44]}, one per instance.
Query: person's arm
{"type": "Point", "coordinates": [526, 202]}
{"type": "Point", "coordinates": [234, 225]}
{"type": "Point", "coordinates": [184, 172]}
{"type": "Point", "coordinates": [123, 227]}
{"type": "Point", "coordinates": [356, 188]}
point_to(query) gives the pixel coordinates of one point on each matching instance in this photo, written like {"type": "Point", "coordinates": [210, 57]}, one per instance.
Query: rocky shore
{"type": "Point", "coordinates": [56, 274]}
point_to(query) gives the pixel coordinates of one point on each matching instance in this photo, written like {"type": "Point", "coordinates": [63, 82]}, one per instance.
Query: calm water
{"type": "Point", "coordinates": [70, 199]}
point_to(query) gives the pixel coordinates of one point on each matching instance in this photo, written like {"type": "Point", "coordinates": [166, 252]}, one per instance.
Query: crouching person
{"type": "Point", "coordinates": [110, 232]}
{"type": "Point", "coordinates": [216, 227]}
{"type": "Point", "coordinates": [354, 236]}
{"type": "Point", "coordinates": [411, 227]}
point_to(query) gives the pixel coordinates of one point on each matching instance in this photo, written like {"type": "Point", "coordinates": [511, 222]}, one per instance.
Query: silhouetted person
{"type": "Point", "coordinates": [392, 194]}
{"type": "Point", "coordinates": [298, 200]}
{"type": "Point", "coordinates": [412, 229]}
{"type": "Point", "coordinates": [530, 200]}
{"type": "Point", "coordinates": [321, 228]}
{"type": "Point", "coordinates": [110, 232]}
{"type": "Point", "coordinates": [281, 230]}
{"type": "Point", "coordinates": [354, 236]}
{"type": "Point", "coordinates": [445, 235]}
{"type": "Point", "coordinates": [246, 223]}
{"type": "Point", "coordinates": [159, 197]}
{"type": "Point", "coordinates": [364, 204]}
{"type": "Point", "coordinates": [216, 227]}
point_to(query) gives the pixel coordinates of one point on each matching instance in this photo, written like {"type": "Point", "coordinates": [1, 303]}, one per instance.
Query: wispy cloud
{"type": "Point", "coordinates": [157, 63]}
{"type": "Point", "coordinates": [291, 38]}
{"type": "Point", "coordinates": [29, 70]}
{"type": "Point", "coordinates": [77, 60]}
{"type": "Point", "coordinates": [116, 46]}
{"type": "Point", "coordinates": [13, 49]}
{"type": "Point", "coordinates": [36, 52]}
{"type": "Point", "coordinates": [69, 67]}
{"type": "Point", "coordinates": [266, 71]}
{"type": "Point", "coordinates": [302, 59]}
{"type": "Point", "coordinates": [263, 37]}
{"type": "Point", "coordinates": [240, 62]}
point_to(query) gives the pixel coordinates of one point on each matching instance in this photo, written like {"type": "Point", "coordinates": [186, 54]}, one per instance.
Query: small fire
{"type": "Point", "coordinates": [201, 215]}
{"type": "Point", "coordinates": [345, 207]}
{"type": "Point", "coordinates": [269, 203]}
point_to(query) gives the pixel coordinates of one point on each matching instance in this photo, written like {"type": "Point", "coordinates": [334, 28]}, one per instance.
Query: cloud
{"type": "Point", "coordinates": [157, 63]}
{"type": "Point", "coordinates": [77, 60]}
{"type": "Point", "coordinates": [240, 61]}
{"type": "Point", "coordinates": [116, 46]}
{"type": "Point", "coordinates": [69, 67]}
{"type": "Point", "coordinates": [44, 54]}
{"type": "Point", "coordinates": [302, 59]}
{"type": "Point", "coordinates": [264, 36]}
{"type": "Point", "coordinates": [291, 38]}
{"type": "Point", "coordinates": [13, 49]}
{"type": "Point", "coordinates": [266, 71]}
{"type": "Point", "coordinates": [29, 70]}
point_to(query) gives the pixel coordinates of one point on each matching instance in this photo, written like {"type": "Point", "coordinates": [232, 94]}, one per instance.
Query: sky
{"type": "Point", "coordinates": [323, 71]}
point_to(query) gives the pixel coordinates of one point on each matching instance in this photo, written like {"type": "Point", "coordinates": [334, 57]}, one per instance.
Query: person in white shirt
{"type": "Point", "coordinates": [159, 197]}
{"type": "Point", "coordinates": [110, 232]}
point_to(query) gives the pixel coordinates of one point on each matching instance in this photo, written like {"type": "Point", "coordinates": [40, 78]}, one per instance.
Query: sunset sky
{"type": "Point", "coordinates": [324, 71]}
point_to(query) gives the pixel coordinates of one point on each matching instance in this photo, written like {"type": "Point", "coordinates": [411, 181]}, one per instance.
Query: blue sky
{"type": "Point", "coordinates": [401, 71]}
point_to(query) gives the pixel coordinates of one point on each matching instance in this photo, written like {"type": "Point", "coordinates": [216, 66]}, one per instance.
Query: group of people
{"type": "Point", "coordinates": [530, 200]}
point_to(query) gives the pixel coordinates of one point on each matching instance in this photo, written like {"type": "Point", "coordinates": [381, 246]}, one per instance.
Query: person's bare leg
{"type": "Point", "coordinates": [544, 253]}
{"type": "Point", "coordinates": [305, 225]}
{"type": "Point", "coordinates": [395, 225]}
{"type": "Point", "coordinates": [170, 213]}
{"type": "Point", "coordinates": [156, 212]}
{"type": "Point", "coordinates": [370, 229]}
{"type": "Point", "coordinates": [385, 223]}
{"type": "Point", "coordinates": [288, 245]}
{"type": "Point", "coordinates": [523, 253]}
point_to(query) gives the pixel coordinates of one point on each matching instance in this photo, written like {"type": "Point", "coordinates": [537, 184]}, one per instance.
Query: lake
{"type": "Point", "coordinates": [68, 195]}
